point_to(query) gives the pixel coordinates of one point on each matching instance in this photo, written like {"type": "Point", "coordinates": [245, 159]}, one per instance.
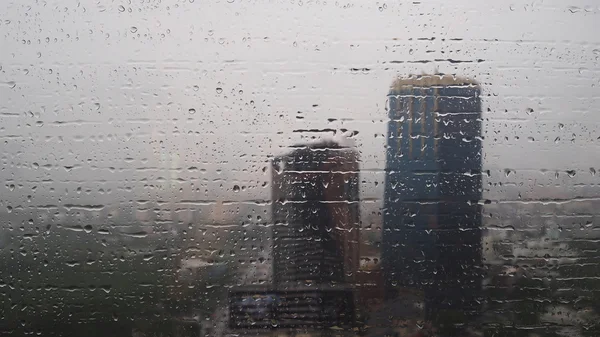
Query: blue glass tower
{"type": "Point", "coordinates": [432, 218]}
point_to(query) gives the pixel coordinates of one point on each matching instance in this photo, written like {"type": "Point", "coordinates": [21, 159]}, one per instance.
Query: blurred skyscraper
{"type": "Point", "coordinates": [431, 238]}
{"type": "Point", "coordinates": [315, 239]}
{"type": "Point", "coordinates": [316, 215]}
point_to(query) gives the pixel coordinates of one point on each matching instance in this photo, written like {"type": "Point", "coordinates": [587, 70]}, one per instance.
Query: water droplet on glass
{"type": "Point", "coordinates": [133, 29]}
{"type": "Point", "coordinates": [219, 90]}
{"type": "Point", "coordinates": [236, 188]}
{"type": "Point", "coordinates": [121, 8]}
{"type": "Point", "coordinates": [192, 111]}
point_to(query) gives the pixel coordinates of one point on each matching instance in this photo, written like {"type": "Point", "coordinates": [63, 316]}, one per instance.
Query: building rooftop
{"type": "Point", "coordinates": [431, 80]}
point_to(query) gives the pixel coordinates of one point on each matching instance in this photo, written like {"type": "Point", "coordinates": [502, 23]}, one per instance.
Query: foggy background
{"type": "Point", "coordinates": [166, 112]}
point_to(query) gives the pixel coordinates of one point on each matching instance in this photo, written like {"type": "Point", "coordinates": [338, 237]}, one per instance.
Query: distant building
{"type": "Point", "coordinates": [316, 215]}
{"type": "Point", "coordinates": [431, 236]}
{"type": "Point", "coordinates": [315, 238]}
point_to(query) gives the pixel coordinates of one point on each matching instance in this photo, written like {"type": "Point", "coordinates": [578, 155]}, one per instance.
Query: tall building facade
{"type": "Point", "coordinates": [431, 237]}
{"type": "Point", "coordinates": [315, 245]}
{"type": "Point", "coordinates": [316, 216]}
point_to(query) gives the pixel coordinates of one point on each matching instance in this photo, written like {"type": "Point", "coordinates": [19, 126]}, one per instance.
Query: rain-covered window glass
{"type": "Point", "coordinates": [299, 168]}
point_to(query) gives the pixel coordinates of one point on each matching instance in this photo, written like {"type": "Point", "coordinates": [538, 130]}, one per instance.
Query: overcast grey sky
{"type": "Point", "coordinates": [115, 95]}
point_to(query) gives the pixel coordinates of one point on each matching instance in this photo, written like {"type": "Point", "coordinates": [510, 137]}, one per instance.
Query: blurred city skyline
{"type": "Point", "coordinates": [138, 138]}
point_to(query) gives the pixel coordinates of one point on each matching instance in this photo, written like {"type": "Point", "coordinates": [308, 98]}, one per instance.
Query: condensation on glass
{"type": "Point", "coordinates": [299, 168]}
